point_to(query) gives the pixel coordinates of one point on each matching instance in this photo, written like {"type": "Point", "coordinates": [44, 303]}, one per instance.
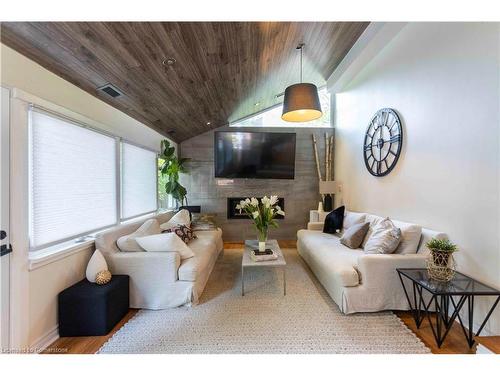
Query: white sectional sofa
{"type": "Point", "coordinates": [160, 280]}
{"type": "Point", "coordinates": [356, 281]}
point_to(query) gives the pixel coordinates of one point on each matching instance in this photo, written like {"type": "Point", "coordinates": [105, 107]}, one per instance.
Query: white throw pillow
{"type": "Point", "coordinates": [96, 264]}
{"type": "Point", "coordinates": [410, 237]}
{"type": "Point", "coordinates": [180, 218]}
{"type": "Point", "coordinates": [353, 218]}
{"type": "Point", "coordinates": [129, 243]}
{"type": "Point", "coordinates": [374, 221]}
{"type": "Point", "coordinates": [168, 242]}
{"type": "Point", "coordinates": [384, 239]}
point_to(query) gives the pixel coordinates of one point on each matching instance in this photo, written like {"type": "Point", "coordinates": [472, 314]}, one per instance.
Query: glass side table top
{"type": "Point", "coordinates": [459, 285]}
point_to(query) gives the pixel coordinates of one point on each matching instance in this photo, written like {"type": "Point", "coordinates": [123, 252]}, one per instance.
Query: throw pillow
{"type": "Point", "coordinates": [384, 239]}
{"type": "Point", "coordinates": [185, 233]}
{"type": "Point", "coordinates": [165, 242]}
{"type": "Point", "coordinates": [353, 218]}
{"type": "Point", "coordinates": [374, 221]}
{"type": "Point", "coordinates": [334, 221]}
{"type": "Point", "coordinates": [353, 237]}
{"type": "Point", "coordinates": [128, 242]}
{"type": "Point", "coordinates": [410, 238]}
{"type": "Point", "coordinates": [96, 264]}
{"type": "Point", "coordinates": [180, 218]}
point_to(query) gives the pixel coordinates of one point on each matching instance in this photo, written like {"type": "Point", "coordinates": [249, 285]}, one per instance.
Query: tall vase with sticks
{"type": "Point", "coordinates": [329, 140]}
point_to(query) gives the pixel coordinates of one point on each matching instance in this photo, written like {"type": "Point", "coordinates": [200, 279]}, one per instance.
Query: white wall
{"type": "Point", "coordinates": [34, 297]}
{"type": "Point", "coordinates": [443, 79]}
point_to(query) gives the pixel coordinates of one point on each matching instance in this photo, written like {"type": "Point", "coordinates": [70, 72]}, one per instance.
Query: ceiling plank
{"type": "Point", "coordinates": [223, 71]}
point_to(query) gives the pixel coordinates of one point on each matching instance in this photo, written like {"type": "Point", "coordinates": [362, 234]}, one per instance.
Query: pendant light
{"type": "Point", "coordinates": [301, 103]}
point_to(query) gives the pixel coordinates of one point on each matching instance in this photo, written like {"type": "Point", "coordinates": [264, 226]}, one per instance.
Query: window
{"type": "Point", "coordinates": [82, 180]}
{"type": "Point", "coordinates": [70, 196]}
{"type": "Point", "coordinates": [272, 117]}
{"type": "Point", "coordinates": [139, 185]}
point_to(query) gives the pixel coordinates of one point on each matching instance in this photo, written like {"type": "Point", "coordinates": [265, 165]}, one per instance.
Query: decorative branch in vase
{"type": "Point", "coordinates": [263, 214]}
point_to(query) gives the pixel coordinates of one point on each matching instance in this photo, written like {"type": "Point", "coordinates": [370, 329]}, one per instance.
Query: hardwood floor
{"type": "Point", "coordinates": [454, 344]}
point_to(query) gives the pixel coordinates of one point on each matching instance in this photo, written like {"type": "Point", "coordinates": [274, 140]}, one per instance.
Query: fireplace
{"type": "Point", "coordinates": [233, 213]}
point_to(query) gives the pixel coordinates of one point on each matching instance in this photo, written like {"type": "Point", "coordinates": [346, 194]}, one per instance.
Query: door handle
{"type": "Point", "coordinates": [4, 249]}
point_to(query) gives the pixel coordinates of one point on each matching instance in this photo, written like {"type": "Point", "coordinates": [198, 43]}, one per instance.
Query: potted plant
{"type": "Point", "coordinates": [171, 167]}
{"type": "Point", "coordinates": [441, 249]}
{"type": "Point", "coordinates": [263, 214]}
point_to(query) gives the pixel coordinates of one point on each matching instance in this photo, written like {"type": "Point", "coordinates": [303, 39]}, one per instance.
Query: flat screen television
{"type": "Point", "coordinates": [254, 155]}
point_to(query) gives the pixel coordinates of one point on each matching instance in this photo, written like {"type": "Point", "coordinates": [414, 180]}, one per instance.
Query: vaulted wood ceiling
{"type": "Point", "coordinates": [223, 70]}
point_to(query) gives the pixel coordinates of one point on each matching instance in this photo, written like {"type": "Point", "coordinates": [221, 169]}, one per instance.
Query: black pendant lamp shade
{"type": "Point", "coordinates": [301, 103]}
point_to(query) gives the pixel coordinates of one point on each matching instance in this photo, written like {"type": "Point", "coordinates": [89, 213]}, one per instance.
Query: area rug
{"type": "Point", "coordinates": [306, 320]}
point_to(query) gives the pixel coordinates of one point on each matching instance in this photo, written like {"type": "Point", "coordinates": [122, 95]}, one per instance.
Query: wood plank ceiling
{"type": "Point", "coordinates": [223, 70]}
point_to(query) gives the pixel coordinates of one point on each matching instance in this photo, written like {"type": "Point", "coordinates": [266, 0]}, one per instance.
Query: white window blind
{"type": "Point", "coordinates": [73, 180]}
{"type": "Point", "coordinates": [139, 185]}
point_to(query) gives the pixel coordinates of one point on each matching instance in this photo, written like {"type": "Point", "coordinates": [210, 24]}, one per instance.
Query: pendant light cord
{"type": "Point", "coordinates": [301, 47]}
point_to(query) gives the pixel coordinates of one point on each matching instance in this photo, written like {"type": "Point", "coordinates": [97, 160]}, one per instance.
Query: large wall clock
{"type": "Point", "coordinates": [383, 142]}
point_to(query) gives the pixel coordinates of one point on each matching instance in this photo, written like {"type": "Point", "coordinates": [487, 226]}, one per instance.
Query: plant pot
{"type": "Point", "coordinates": [440, 258]}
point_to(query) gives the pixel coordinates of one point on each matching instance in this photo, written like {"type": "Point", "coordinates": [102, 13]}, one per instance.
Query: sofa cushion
{"type": "Point", "coordinates": [330, 257]}
{"type": "Point", "coordinates": [204, 247]}
{"type": "Point", "coordinates": [334, 220]}
{"type": "Point", "coordinates": [180, 218]}
{"type": "Point", "coordinates": [165, 242]}
{"type": "Point", "coordinates": [384, 239]}
{"type": "Point", "coordinates": [129, 243]}
{"type": "Point", "coordinates": [353, 218]}
{"type": "Point", "coordinates": [410, 237]}
{"type": "Point", "coordinates": [353, 237]}
{"type": "Point", "coordinates": [373, 220]}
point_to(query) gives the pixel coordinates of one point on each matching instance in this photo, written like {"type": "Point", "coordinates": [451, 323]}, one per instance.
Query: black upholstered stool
{"type": "Point", "coordinates": [88, 309]}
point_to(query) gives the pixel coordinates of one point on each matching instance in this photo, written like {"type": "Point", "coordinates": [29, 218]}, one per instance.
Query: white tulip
{"type": "Point", "coordinates": [273, 200]}
{"type": "Point", "coordinates": [280, 212]}
{"type": "Point", "coordinates": [254, 202]}
{"type": "Point", "coordinates": [255, 214]}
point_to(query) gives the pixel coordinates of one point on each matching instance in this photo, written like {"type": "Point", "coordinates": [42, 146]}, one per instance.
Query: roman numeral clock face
{"type": "Point", "coordinates": [383, 142]}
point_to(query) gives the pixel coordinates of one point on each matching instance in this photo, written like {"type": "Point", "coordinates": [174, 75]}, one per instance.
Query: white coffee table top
{"type": "Point", "coordinates": [254, 245]}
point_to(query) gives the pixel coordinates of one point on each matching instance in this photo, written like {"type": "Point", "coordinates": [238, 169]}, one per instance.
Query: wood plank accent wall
{"type": "Point", "coordinates": [301, 194]}
{"type": "Point", "coordinates": [222, 69]}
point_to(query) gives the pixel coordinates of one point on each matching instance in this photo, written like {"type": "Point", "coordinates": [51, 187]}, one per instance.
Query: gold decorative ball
{"type": "Point", "coordinates": [103, 277]}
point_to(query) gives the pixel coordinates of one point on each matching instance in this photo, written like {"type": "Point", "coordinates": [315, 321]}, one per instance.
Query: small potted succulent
{"type": "Point", "coordinates": [441, 250]}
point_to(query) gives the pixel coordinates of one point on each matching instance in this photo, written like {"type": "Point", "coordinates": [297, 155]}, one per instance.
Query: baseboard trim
{"type": "Point", "coordinates": [43, 342]}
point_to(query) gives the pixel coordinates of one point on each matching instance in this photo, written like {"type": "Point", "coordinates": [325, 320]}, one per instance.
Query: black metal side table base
{"type": "Point", "coordinates": [442, 304]}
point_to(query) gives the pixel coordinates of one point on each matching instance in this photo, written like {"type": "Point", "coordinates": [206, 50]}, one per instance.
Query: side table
{"type": "Point", "coordinates": [446, 299]}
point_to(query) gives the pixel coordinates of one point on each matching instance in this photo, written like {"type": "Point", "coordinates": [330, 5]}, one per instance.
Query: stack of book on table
{"type": "Point", "coordinates": [268, 254]}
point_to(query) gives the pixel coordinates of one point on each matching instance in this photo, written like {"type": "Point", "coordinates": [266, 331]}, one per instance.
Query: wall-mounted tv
{"type": "Point", "coordinates": [254, 155]}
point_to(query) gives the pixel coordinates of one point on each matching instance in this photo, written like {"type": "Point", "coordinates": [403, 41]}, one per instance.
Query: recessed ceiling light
{"type": "Point", "coordinates": [169, 61]}
{"type": "Point", "coordinates": [208, 122]}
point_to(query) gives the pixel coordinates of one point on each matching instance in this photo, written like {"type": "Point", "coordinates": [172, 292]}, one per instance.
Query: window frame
{"type": "Point", "coordinates": [118, 176]}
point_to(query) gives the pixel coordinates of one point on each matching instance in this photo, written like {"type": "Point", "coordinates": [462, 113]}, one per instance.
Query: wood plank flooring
{"type": "Point", "coordinates": [454, 344]}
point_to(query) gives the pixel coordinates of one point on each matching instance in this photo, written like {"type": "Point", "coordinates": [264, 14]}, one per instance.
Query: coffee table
{"type": "Point", "coordinates": [247, 261]}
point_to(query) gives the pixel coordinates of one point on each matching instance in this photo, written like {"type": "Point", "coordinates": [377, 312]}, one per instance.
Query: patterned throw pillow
{"type": "Point", "coordinates": [184, 232]}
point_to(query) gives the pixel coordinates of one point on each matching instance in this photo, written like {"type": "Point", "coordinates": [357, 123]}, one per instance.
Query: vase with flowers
{"type": "Point", "coordinates": [263, 212]}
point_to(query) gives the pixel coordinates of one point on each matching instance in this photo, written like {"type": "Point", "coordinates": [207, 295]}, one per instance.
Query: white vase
{"type": "Point", "coordinates": [320, 207]}
{"type": "Point", "coordinates": [262, 246]}
{"type": "Point", "coordinates": [96, 264]}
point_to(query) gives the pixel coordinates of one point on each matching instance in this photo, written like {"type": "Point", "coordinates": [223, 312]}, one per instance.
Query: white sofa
{"type": "Point", "coordinates": [159, 280]}
{"type": "Point", "coordinates": [356, 281]}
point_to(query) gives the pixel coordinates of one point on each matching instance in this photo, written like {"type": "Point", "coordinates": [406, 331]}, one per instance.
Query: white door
{"type": "Point", "coordinates": [4, 220]}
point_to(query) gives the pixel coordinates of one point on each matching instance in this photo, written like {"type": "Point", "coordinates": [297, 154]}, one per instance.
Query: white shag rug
{"type": "Point", "coordinates": [306, 320]}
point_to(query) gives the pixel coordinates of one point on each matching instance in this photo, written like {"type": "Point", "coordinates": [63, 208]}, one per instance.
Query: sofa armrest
{"type": "Point", "coordinates": [379, 270]}
{"type": "Point", "coordinates": [315, 225]}
{"type": "Point", "coordinates": [156, 267]}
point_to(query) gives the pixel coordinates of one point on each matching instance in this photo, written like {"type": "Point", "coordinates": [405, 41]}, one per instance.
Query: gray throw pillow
{"type": "Point", "coordinates": [353, 237]}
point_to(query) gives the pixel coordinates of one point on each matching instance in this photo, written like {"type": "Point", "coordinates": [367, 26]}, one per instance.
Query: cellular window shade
{"type": "Point", "coordinates": [73, 180]}
{"type": "Point", "coordinates": [139, 185]}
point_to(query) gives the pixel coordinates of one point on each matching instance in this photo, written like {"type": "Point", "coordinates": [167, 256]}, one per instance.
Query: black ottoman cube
{"type": "Point", "coordinates": [88, 309]}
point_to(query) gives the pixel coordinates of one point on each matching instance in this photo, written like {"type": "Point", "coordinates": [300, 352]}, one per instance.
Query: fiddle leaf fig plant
{"type": "Point", "coordinates": [171, 168]}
